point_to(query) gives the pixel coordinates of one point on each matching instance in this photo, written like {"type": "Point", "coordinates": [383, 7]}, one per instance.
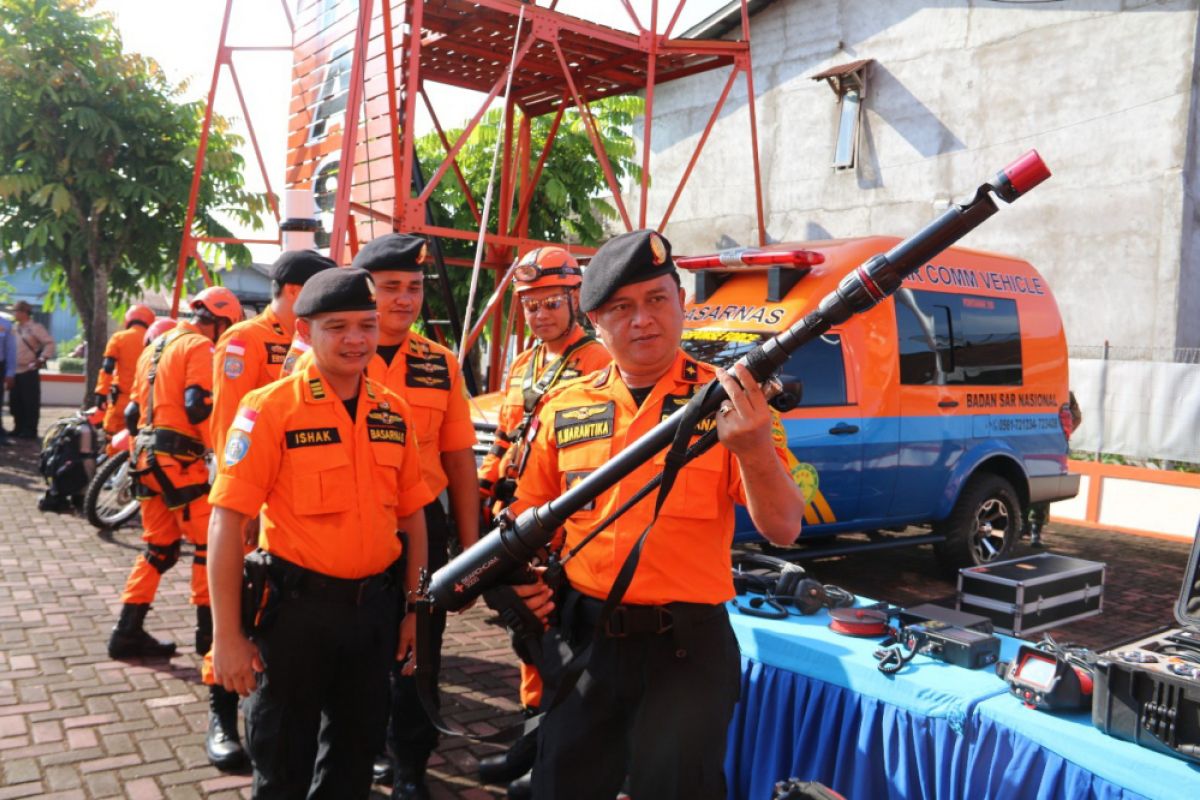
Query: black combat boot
{"type": "Point", "coordinates": [223, 746]}
{"type": "Point", "coordinates": [204, 630]}
{"type": "Point", "coordinates": [510, 765]}
{"type": "Point", "coordinates": [129, 640]}
{"type": "Point", "coordinates": [409, 781]}
{"type": "Point", "coordinates": [521, 788]}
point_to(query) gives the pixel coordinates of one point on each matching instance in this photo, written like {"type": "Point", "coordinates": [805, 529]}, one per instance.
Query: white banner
{"type": "Point", "coordinates": [1138, 409]}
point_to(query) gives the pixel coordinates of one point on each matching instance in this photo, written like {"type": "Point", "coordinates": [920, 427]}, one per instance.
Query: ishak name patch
{"type": "Point", "coordinates": [583, 424]}
{"type": "Point", "coordinates": [309, 437]}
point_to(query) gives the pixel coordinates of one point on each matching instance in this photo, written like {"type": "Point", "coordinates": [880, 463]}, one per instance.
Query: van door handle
{"type": "Point", "coordinates": [948, 404]}
{"type": "Point", "coordinates": [842, 429]}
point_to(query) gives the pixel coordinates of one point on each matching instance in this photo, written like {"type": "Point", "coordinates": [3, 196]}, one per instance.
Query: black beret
{"type": "Point", "coordinates": [393, 251]}
{"type": "Point", "coordinates": [297, 266]}
{"type": "Point", "coordinates": [622, 260]}
{"type": "Point", "coordinates": [346, 289]}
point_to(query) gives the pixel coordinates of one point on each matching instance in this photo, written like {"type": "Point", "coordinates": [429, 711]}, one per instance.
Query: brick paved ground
{"type": "Point", "coordinates": [74, 724]}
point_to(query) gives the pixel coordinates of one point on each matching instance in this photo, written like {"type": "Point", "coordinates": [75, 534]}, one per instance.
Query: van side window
{"type": "Point", "coordinates": [820, 367]}
{"type": "Point", "coordinates": [947, 339]}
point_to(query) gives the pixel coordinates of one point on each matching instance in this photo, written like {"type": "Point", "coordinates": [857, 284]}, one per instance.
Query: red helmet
{"type": "Point", "coordinates": [547, 266]}
{"type": "Point", "coordinates": [218, 302]}
{"type": "Point", "coordinates": [139, 313]}
{"type": "Point", "coordinates": [159, 327]}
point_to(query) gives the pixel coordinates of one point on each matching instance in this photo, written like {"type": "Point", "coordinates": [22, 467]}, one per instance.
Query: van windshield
{"type": "Point", "coordinates": [819, 365]}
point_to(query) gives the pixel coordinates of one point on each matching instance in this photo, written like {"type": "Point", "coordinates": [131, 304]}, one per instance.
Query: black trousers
{"type": "Point", "coordinates": [26, 403]}
{"type": "Point", "coordinates": [655, 708]}
{"type": "Point", "coordinates": [319, 714]}
{"type": "Point", "coordinates": [412, 736]}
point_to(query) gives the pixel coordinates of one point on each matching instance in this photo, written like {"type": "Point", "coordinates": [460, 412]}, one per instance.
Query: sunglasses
{"type": "Point", "coordinates": [552, 303]}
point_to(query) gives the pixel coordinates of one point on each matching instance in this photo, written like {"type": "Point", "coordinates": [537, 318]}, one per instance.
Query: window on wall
{"type": "Point", "coordinates": [849, 85]}
{"type": "Point", "coordinates": [947, 339]}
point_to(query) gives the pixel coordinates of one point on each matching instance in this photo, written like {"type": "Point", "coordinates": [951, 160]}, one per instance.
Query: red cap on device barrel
{"type": "Point", "coordinates": [1020, 176]}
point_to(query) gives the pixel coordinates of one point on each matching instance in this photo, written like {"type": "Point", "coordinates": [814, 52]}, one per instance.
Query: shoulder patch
{"type": "Point", "coordinates": [602, 377]}
{"type": "Point", "coordinates": [584, 423]}
{"type": "Point", "coordinates": [234, 366]}
{"type": "Point", "coordinates": [309, 437]}
{"type": "Point", "coordinates": [317, 388]}
{"type": "Point", "coordinates": [236, 447]}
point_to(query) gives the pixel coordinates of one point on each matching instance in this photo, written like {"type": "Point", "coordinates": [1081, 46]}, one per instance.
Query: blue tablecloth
{"type": "Point", "coordinates": [1020, 752]}
{"type": "Point", "coordinates": [815, 707]}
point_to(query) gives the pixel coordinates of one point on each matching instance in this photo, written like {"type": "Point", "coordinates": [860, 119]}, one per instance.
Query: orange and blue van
{"type": "Point", "coordinates": [944, 407]}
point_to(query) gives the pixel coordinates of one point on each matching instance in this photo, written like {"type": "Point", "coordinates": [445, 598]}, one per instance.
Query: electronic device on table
{"type": "Point", "coordinates": [1148, 690]}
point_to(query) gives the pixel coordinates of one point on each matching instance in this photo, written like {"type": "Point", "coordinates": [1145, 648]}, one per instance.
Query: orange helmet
{"type": "Point", "coordinates": [218, 302]}
{"type": "Point", "coordinates": [159, 327]}
{"type": "Point", "coordinates": [547, 266]}
{"type": "Point", "coordinates": [139, 313]}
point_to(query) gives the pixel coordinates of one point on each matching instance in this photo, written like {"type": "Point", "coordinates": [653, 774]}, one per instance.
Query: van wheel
{"type": "Point", "coordinates": [984, 525]}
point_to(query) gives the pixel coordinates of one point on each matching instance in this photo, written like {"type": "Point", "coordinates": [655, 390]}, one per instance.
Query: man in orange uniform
{"type": "Point", "coordinates": [172, 474]}
{"type": "Point", "coordinates": [546, 282]}
{"type": "Point", "coordinates": [120, 363]}
{"type": "Point", "coordinates": [249, 356]}
{"type": "Point", "coordinates": [328, 457]}
{"type": "Point", "coordinates": [137, 391]}
{"type": "Point", "coordinates": [428, 376]}
{"type": "Point", "coordinates": [251, 353]}
{"type": "Point", "coordinates": [656, 697]}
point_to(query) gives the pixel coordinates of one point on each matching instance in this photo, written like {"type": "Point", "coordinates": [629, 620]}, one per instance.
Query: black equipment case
{"type": "Point", "coordinates": [1032, 593]}
{"type": "Point", "coordinates": [1148, 691]}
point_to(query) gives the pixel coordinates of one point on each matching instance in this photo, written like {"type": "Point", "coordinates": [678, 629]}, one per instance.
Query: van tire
{"type": "Point", "coordinates": [984, 525]}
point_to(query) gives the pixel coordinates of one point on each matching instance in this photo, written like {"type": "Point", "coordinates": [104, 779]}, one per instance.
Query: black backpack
{"type": "Point", "coordinates": [67, 462]}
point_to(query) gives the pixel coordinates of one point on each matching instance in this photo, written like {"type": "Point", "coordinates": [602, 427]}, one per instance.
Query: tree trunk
{"type": "Point", "coordinates": [96, 329]}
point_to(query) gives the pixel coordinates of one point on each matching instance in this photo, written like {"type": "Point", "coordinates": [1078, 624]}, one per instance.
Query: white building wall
{"type": "Point", "coordinates": [1102, 88]}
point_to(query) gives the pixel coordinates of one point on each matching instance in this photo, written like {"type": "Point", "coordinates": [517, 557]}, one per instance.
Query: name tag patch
{"type": "Point", "coordinates": [583, 424]}
{"type": "Point", "coordinates": [276, 352]}
{"type": "Point", "coordinates": [309, 437]}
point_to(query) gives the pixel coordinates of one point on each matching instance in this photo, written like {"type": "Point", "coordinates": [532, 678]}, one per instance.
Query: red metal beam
{"type": "Point", "coordinates": [648, 117]}
{"type": "Point", "coordinates": [751, 100]}
{"type": "Point", "coordinates": [462, 179]}
{"type": "Point", "coordinates": [341, 206]}
{"type": "Point", "coordinates": [699, 147]}
{"type": "Point", "coordinates": [674, 19]}
{"type": "Point", "coordinates": [393, 112]}
{"type": "Point", "coordinates": [594, 135]}
{"type": "Point", "coordinates": [186, 248]}
{"type": "Point", "coordinates": [262, 167]}
{"type": "Point", "coordinates": [466, 134]}
{"type": "Point", "coordinates": [415, 12]}
{"type": "Point", "coordinates": [531, 187]}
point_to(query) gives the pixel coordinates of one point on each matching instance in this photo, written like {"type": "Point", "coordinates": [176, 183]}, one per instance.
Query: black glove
{"type": "Point", "coordinates": [505, 490]}
{"type": "Point", "coordinates": [113, 394]}
{"type": "Point", "coordinates": [100, 401]}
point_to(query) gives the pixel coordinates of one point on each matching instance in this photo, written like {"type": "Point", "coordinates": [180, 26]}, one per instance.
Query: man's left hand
{"type": "Point", "coordinates": [744, 419]}
{"type": "Point", "coordinates": [406, 650]}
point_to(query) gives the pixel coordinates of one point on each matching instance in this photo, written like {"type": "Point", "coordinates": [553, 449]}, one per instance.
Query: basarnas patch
{"type": "Point", "coordinates": [234, 367]}
{"type": "Point", "coordinates": [236, 448]}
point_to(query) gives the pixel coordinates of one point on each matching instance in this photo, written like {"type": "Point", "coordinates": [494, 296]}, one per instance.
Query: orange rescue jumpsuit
{"type": "Point", "coordinates": [120, 363]}
{"type": "Point", "coordinates": [186, 361]}
{"type": "Point", "coordinates": [501, 460]}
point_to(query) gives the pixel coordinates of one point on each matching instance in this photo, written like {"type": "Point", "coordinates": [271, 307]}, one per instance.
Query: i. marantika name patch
{"type": "Point", "coordinates": [309, 437]}
{"type": "Point", "coordinates": [583, 424]}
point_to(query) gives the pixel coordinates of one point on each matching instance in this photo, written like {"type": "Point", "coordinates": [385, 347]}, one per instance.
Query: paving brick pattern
{"type": "Point", "coordinates": [74, 724]}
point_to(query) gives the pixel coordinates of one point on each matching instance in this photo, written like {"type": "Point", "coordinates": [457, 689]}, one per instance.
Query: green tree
{"type": "Point", "coordinates": [96, 156]}
{"type": "Point", "coordinates": [569, 204]}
